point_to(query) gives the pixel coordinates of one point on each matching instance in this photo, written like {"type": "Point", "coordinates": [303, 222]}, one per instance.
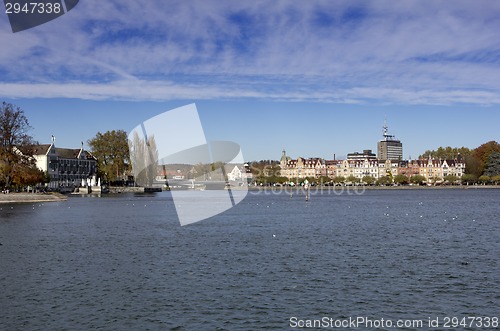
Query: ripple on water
{"type": "Point", "coordinates": [112, 263]}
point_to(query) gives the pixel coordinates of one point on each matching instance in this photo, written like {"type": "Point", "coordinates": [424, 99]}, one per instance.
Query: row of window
{"type": "Point", "coordinates": [69, 177]}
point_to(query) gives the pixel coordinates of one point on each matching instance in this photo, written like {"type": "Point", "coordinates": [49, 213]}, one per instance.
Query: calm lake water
{"type": "Point", "coordinates": [123, 262]}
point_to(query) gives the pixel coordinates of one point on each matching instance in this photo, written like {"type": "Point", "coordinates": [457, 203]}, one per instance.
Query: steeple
{"type": "Point", "coordinates": [283, 157]}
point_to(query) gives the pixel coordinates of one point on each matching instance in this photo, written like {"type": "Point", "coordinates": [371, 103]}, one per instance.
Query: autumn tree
{"type": "Point", "coordinates": [112, 152]}
{"type": "Point", "coordinates": [26, 173]}
{"type": "Point", "coordinates": [473, 166]}
{"type": "Point", "coordinates": [265, 168]}
{"type": "Point", "coordinates": [483, 152]}
{"type": "Point", "coordinates": [16, 146]}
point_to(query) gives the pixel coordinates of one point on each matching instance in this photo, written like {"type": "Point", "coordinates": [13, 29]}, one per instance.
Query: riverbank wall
{"type": "Point", "coordinates": [31, 197]}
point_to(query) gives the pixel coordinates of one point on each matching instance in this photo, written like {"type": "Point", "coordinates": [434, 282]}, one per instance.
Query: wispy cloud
{"type": "Point", "coordinates": [409, 52]}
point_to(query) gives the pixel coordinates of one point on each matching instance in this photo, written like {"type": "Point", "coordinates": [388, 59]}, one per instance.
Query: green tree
{"type": "Point", "coordinates": [282, 179]}
{"type": "Point", "coordinates": [418, 179]}
{"type": "Point", "coordinates": [450, 179]}
{"type": "Point", "coordinates": [496, 179]}
{"type": "Point", "coordinates": [352, 179]}
{"type": "Point", "coordinates": [202, 170]}
{"type": "Point", "coordinates": [434, 180]}
{"type": "Point", "coordinates": [482, 154]}
{"type": "Point", "coordinates": [446, 153]}
{"type": "Point", "coordinates": [384, 180]}
{"type": "Point", "coordinates": [369, 180]}
{"type": "Point", "coordinates": [484, 179]}
{"type": "Point", "coordinates": [339, 180]}
{"type": "Point", "coordinates": [401, 179]}
{"type": "Point", "coordinates": [493, 165]}
{"type": "Point", "coordinates": [323, 180]}
{"type": "Point", "coordinates": [469, 179]}
{"type": "Point", "coordinates": [273, 169]}
{"type": "Point", "coordinates": [16, 145]}
{"type": "Point", "coordinates": [263, 169]}
{"type": "Point", "coordinates": [112, 152]}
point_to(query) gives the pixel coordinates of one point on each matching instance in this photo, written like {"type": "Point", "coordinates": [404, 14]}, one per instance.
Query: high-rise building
{"type": "Point", "coordinates": [367, 154]}
{"type": "Point", "coordinates": [389, 148]}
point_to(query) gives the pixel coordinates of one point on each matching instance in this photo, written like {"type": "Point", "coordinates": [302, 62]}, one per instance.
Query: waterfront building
{"type": "Point", "coordinates": [387, 168]}
{"type": "Point", "coordinates": [301, 167]}
{"type": "Point", "coordinates": [409, 168]}
{"type": "Point", "coordinates": [454, 167]}
{"type": "Point", "coordinates": [389, 148]}
{"type": "Point", "coordinates": [389, 163]}
{"type": "Point", "coordinates": [331, 168]}
{"type": "Point", "coordinates": [239, 173]}
{"type": "Point", "coordinates": [66, 167]}
{"type": "Point", "coordinates": [344, 169]}
{"type": "Point", "coordinates": [367, 154]}
{"type": "Point", "coordinates": [437, 169]}
{"type": "Point", "coordinates": [284, 159]}
{"type": "Point", "coordinates": [358, 168]}
{"type": "Point", "coordinates": [432, 169]}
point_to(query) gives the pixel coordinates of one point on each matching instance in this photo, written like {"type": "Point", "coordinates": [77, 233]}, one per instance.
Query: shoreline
{"type": "Point", "coordinates": [31, 197]}
{"type": "Point", "coordinates": [402, 187]}
{"type": "Point", "coordinates": [57, 197]}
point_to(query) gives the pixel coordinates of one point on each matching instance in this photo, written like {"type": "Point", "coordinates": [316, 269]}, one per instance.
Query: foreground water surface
{"type": "Point", "coordinates": [123, 261]}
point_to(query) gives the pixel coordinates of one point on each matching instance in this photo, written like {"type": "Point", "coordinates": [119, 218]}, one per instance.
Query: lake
{"type": "Point", "coordinates": [123, 262]}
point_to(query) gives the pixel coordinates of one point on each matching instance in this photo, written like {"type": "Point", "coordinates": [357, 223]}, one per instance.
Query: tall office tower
{"type": "Point", "coordinates": [389, 148]}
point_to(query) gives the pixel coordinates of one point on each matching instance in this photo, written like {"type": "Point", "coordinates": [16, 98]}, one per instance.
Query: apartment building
{"type": "Point", "coordinates": [314, 167]}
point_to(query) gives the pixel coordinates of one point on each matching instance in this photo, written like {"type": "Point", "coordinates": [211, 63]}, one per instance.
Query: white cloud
{"type": "Point", "coordinates": [412, 52]}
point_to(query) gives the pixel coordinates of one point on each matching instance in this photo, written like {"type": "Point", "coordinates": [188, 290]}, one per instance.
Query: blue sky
{"type": "Point", "coordinates": [314, 77]}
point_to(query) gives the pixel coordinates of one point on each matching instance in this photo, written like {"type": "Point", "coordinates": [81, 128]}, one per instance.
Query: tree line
{"type": "Point", "coordinates": [18, 167]}
{"type": "Point", "coordinates": [482, 164]}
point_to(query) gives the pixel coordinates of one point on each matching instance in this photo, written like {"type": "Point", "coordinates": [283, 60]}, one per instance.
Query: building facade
{"type": "Point", "coordinates": [367, 154]}
{"type": "Point", "coordinates": [301, 167]}
{"type": "Point", "coordinates": [239, 173]}
{"type": "Point", "coordinates": [389, 148]}
{"type": "Point", "coordinates": [66, 167]}
{"type": "Point", "coordinates": [434, 170]}
{"type": "Point", "coordinates": [388, 162]}
{"type": "Point", "coordinates": [437, 169]}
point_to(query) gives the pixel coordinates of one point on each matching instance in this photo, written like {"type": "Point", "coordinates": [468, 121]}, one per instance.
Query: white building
{"type": "Point", "coordinates": [239, 173]}
{"type": "Point", "coordinates": [65, 166]}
